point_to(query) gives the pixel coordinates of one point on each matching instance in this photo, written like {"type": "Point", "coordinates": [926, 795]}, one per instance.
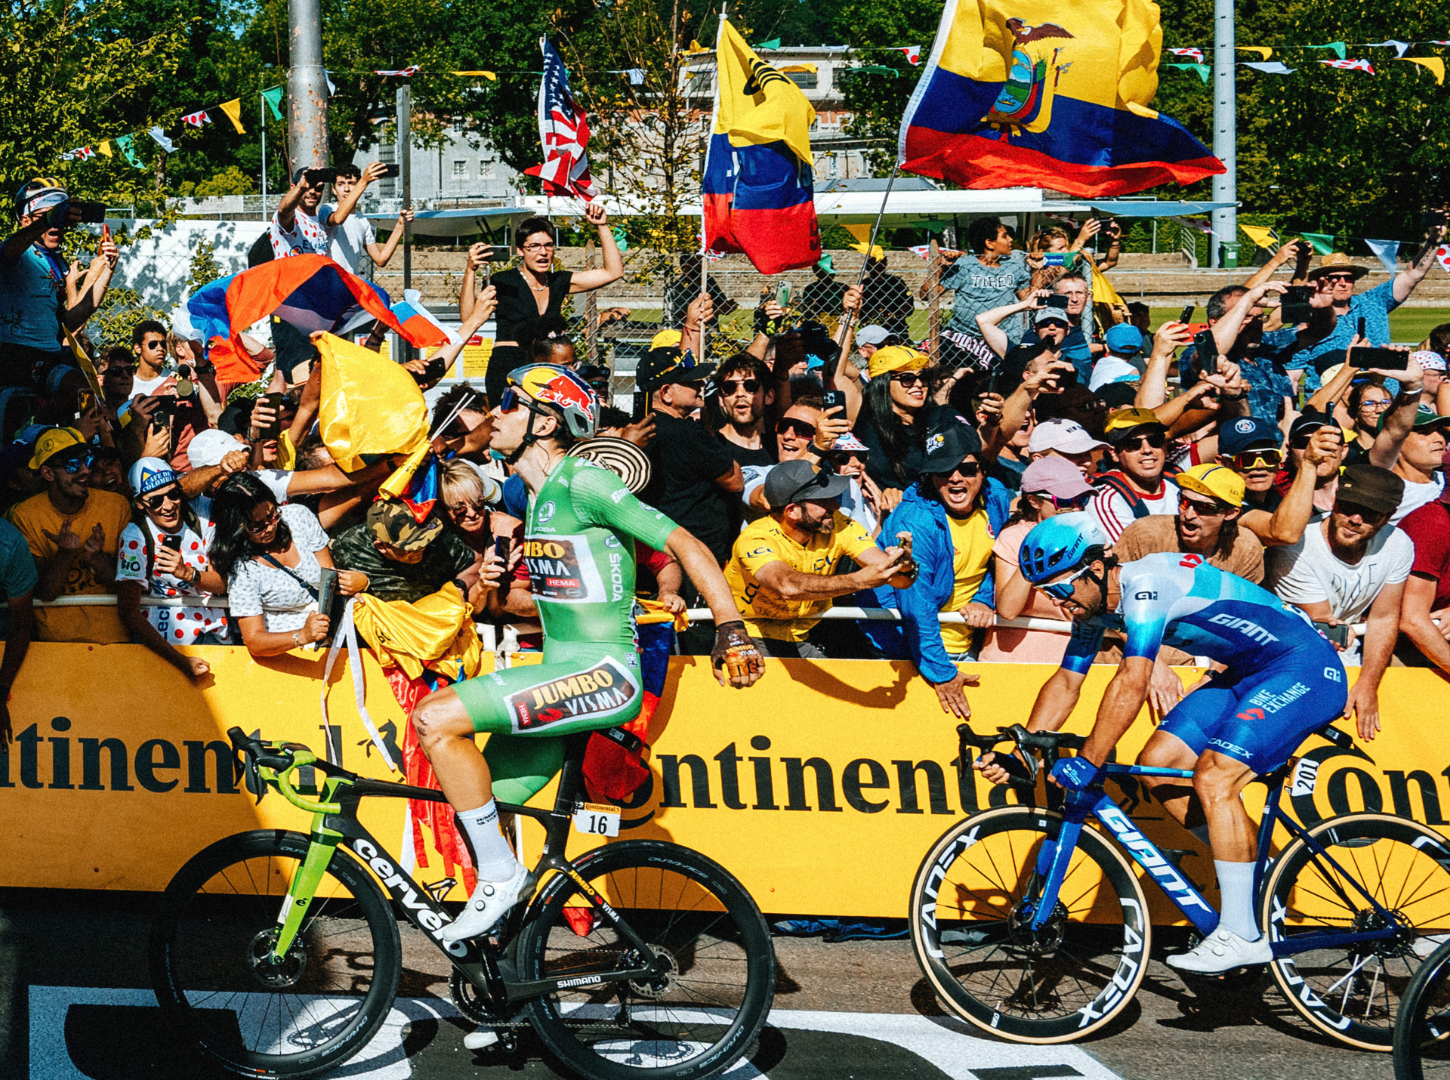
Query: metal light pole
{"type": "Point", "coordinates": [306, 88]}
{"type": "Point", "coordinates": [404, 147]}
{"type": "Point", "coordinates": [1225, 186]}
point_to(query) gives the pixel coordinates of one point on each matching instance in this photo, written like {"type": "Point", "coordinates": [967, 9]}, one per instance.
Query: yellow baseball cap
{"type": "Point", "coordinates": [665, 339]}
{"type": "Point", "coordinates": [1215, 481]}
{"type": "Point", "coordinates": [896, 358]}
{"type": "Point", "coordinates": [52, 441]}
{"type": "Point", "coordinates": [1124, 420]}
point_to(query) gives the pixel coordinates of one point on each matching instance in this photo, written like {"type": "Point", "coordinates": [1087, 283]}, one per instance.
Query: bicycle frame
{"type": "Point", "coordinates": [335, 822]}
{"type": "Point", "coordinates": [1056, 854]}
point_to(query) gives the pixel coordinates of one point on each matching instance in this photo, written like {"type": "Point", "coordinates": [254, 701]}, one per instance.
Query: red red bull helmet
{"type": "Point", "coordinates": [550, 384]}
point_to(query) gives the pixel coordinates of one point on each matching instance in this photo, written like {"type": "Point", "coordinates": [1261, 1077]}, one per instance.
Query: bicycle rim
{"type": "Point", "coordinates": [209, 946]}
{"type": "Point", "coordinates": [698, 1019]}
{"type": "Point", "coordinates": [1422, 1029]}
{"type": "Point", "coordinates": [970, 928]}
{"type": "Point", "coordinates": [1352, 992]}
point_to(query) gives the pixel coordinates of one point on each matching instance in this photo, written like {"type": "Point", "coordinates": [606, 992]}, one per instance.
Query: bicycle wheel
{"type": "Point", "coordinates": [1422, 1029]}
{"type": "Point", "coordinates": [970, 915]}
{"type": "Point", "coordinates": [213, 931]}
{"type": "Point", "coordinates": [1352, 992]}
{"type": "Point", "coordinates": [698, 1019]}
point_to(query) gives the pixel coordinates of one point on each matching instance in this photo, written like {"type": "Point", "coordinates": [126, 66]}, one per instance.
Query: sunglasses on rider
{"type": "Point", "coordinates": [157, 500]}
{"type": "Point", "coordinates": [1258, 459]}
{"type": "Point", "coordinates": [1061, 590]}
{"type": "Point", "coordinates": [734, 386]}
{"type": "Point", "coordinates": [788, 424]}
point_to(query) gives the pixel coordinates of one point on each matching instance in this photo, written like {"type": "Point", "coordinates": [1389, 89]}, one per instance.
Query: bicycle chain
{"type": "Point", "coordinates": [465, 997]}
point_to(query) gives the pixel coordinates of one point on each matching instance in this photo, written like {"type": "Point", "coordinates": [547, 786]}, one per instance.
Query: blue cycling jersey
{"type": "Point", "coordinates": [1175, 599]}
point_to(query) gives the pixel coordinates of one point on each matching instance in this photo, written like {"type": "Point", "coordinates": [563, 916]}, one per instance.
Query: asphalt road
{"type": "Point", "coordinates": [74, 1003]}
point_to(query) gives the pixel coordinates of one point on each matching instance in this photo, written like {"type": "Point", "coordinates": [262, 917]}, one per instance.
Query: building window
{"type": "Point", "coordinates": [806, 80]}
{"type": "Point", "coordinates": [460, 170]}
{"type": "Point", "coordinates": [485, 169]}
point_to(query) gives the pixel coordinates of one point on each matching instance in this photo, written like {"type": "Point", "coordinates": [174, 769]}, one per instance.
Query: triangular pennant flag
{"type": "Point", "coordinates": [196, 119]}
{"type": "Point", "coordinates": [104, 147]}
{"type": "Point", "coordinates": [922, 250]}
{"type": "Point", "coordinates": [489, 75]}
{"type": "Point", "coordinates": [1263, 50]}
{"type": "Point", "coordinates": [1263, 236]}
{"type": "Point", "coordinates": [160, 137]}
{"type": "Point", "coordinates": [1386, 251]}
{"type": "Point", "coordinates": [1443, 251]}
{"type": "Point", "coordinates": [331, 86]}
{"type": "Point", "coordinates": [862, 232]}
{"type": "Point", "coordinates": [273, 97]}
{"type": "Point", "coordinates": [636, 76]}
{"type": "Point", "coordinates": [876, 69]}
{"type": "Point", "coordinates": [1273, 67]}
{"type": "Point", "coordinates": [128, 151]}
{"type": "Point", "coordinates": [411, 69]}
{"type": "Point", "coordinates": [1322, 243]}
{"type": "Point", "coordinates": [1350, 65]}
{"type": "Point", "coordinates": [1201, 70]}
{"type": "Point", "coordinates": [913, 53]}
{"type": "Point", "coordinates": [233, 112]}
{"type": "Point", "coordinates": [1336, 46]}
{"type": "Point", "coordinates": [621, 241]}
{"type": "Point", "coordinates": [85, 153]}
{"type": "Point", "coordinates": [1196, 55]}
{"type": "Point", "coordinates": [1400, 47]}
{"type": "Point", "coordinates": [1433, 64]}
{"type": "Point", "coordinates": [773, 43]}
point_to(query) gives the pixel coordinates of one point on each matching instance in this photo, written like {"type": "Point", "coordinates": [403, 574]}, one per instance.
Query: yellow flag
{"type": "Point", "coordinates": [1434, 64]}
{"type": "Point", "coordinates": [758, 104]}
{"type": "Point", "coordinates": [104, 147]}
{"type": "Point", "coordinates": [1103, 291]}
{"type": "Point", "coordinates": [370, 405]}
{"type": "Point", "coordinates": [861, 232]}
{"type": "Point", "coordinates": [1262, 235]}
{"type": "Point", "coordinates": [489, 75]}
{"type": "Point", "coordinates": [435, 632]}
{"type": "Point", "coordinates": [233, 109]}
{"type": "Point", "coordinates": [1263, 50]}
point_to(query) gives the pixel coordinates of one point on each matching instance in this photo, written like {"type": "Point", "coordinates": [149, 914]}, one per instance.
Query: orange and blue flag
{"type": "Point", "coordinates": [758, 188]}
{"type": "Point", "coordinates": [310, 292]}
{"type": "Point", "coordinates": [1038, 93]}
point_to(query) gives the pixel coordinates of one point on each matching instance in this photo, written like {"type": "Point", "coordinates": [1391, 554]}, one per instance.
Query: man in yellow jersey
{"type": "Point", "coordinates": [782, 569]}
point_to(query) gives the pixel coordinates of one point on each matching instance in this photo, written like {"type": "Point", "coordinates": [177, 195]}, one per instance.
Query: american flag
{"type": "Point", "coordinates": [197, 118]}
{"type": "Point", "coordinates": [564, 133]}
{"type": "Point", "coordinates": [1350, 65]}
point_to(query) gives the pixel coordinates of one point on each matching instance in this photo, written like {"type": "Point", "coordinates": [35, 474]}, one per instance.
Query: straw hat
{"type": "Point", "coordinates": [1337, 261]}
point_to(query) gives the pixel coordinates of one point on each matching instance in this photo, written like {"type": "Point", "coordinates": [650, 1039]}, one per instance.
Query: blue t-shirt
{"type": "Point", "coordinates": [32, 290]}
{"type": "Point", "coordinates": [1266, 370]}
{"type": "Point", "coordinates": [18, 575]}
{"type": "Point", "coordinates": [980, 288]}
{"type": "Point", "coordinates": [1175, 599]}
{"type": "Point", "coordinates": [1075, 347]}
{"type": "Point", "coordinates": [1374, 308]}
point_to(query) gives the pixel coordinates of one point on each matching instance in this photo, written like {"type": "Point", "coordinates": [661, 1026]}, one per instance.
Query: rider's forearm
{"type": "Point", "coordinates": [699, 564]}
{"type": "Point", "coordinates": [1055, 701]}
{"type": "Point", "coordinates": [1121, 703]}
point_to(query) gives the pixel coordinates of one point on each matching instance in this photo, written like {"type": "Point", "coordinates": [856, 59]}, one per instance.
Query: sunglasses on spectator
{"type": "Point", "coordinates": [845, 457]}
{"type": "Point", "coordinates": [455, 431]}
{"type": "Point", "coordinates": [153, 344]}
{"type": "Point", "coordinates": [1061, 590]}
{"type": "Point", "coordinates": [1158, 440]}
{"type": "Point", "coordinates": [1258, 459]}
{"type": "Point", "coordinates": [75, 464]}
{"type": "Point", "coordinates": [1351, 509]}
{"type": "Point", "coordinates": [157, 500]}
{"type": "Point", "coordinates": [119, 369]}
{"type": "Point", "coordinates": [734, 386]}
{"type": "Point", "coordinates": [1076, 503]}
{"type": "Point", "coordinates": [799, 427]}
{"type": "Point", "coordinates": [1201, 507]}
{"type": "Point", "coordinates": [966, 470]}
{"type": "Point", "coordinates": [909, 378]}
{"type": "Point", "coordinates": [254, 526]}
{"type": "Point", "coordinates": [461, 509]}
{"type": "Point", "coordinates": [1339, 277]}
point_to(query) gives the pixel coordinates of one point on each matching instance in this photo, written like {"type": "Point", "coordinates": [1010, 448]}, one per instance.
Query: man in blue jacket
{"type": "Point", "coordinates": [953, 515]}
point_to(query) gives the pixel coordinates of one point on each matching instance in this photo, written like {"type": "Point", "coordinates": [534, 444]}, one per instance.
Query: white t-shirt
{"type": "Point", "coordinates": [1418, 495]}
{"type": "Point", "coordinates": [277, 481]}
{"type": "Point", "coordinates": [257, 588]}
{"type": "Point", "coordinates": [348, 243]}
{"type": "Point", "coordinates": [178, 625]}
{"type": "Point", "coordinates": [1115, 513]}
{"type": "Point", "coordinates": [308, 236]}
{"type": "Point", "coordinates": [1308, 572]}
{"type": "Point", "coordinates": [146, 387]}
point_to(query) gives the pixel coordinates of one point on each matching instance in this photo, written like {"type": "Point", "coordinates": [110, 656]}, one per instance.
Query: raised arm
{"type": "Point", "coordinates": [1153, 387]}
{"type": "Point", "coordinates": [348, 202]}
{"type": "Point", "coordinates": [1407, 279]}
{"type": "Point", "coordinates": [584, 280]}
{"type": "Point", "coordinates": [989, 321]}
{"type": "Point", "coordinates": [381, 253]}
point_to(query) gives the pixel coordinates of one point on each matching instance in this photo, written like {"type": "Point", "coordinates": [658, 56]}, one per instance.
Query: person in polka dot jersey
{"type": "Point", "coordinates": [164, 552]}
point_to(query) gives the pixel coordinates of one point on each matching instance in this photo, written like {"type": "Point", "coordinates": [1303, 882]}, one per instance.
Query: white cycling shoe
{"type": "Point", "coordinates": [489, 903]}
{"type": "Point", "coordinates": [1221, 951]}
{"type": "Point", "coordinates": [481, 1039]}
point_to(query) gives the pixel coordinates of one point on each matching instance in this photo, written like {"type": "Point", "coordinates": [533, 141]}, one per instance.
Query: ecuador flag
{"type": "Point", "coordinates": [1039, 93]}
{"type": "Point", "coordinates": [758, 189]}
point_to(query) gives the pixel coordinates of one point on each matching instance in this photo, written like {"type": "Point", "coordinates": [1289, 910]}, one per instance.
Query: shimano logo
{"type": "Point", "coordinates": [1247, 627]}
{"type": "Point", "coordinates": [583, 980]}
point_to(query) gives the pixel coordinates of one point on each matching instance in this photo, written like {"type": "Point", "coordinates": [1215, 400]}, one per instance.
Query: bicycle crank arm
{"type": "Point", "coordinates": [524, 991]}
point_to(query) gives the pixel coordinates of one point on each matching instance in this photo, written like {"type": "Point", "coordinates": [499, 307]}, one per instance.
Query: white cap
{"type": "Point", "coordinates": [1428, 359]}
{"type": "Point", "coordinates": [209, 447]}
{"type": "Point", "coordinates": [1111, 369]}
{"type": "Point", "coordinates": [1064, 436]}
{"type": "Point", "coordinates": [872, 335]}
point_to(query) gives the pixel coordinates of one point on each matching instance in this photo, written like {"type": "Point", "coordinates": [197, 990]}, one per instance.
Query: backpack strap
{"type": "Point", "coordinates": [1118, 483]}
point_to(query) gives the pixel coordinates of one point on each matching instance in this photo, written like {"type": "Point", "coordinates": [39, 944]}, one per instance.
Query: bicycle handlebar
{"type": "Point", "coordinates": [279, 759]}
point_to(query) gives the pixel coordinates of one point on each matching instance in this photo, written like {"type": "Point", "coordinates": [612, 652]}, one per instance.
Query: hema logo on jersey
{"type": "Point", "coordinates": [1247, 627]}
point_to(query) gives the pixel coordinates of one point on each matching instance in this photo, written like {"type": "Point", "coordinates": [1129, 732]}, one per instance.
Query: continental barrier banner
{"type": "Point", "coordinates": [821, 787]}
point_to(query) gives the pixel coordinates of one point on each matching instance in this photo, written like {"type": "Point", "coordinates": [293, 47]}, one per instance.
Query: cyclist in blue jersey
{"type": "Point", "coordinates": [1276, 680]}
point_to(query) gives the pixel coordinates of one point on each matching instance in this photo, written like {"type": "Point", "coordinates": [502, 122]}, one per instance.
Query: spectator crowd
{"type": "Point", "coordinates": [836, 460]}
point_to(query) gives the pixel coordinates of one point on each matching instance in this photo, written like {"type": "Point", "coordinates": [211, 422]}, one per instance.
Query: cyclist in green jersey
{"type": "Point", "coordinates": [579, 546]}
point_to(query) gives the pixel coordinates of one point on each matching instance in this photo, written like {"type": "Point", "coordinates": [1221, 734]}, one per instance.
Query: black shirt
{"type": "Point", "coordinates": [518, 315]}
{"type": "Point", "coordinates": [745, 456]}
{"type": "Point", "coordinates": [687, 460]}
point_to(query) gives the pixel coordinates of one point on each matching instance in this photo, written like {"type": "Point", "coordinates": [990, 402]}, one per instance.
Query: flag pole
{"type": "Point", "coordinates": [871, 245]}
{"type": "Point", "coordinates": [707, 134]}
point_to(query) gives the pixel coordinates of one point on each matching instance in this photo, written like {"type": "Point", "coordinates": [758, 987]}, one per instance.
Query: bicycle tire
{"type": "Point", "coordinates": [213, 921]}
{"type": "Point", "coordinates": [1410, 866]}
{"type": "Point", "coordinates": [676, 899]}
{"type": "Point", "coordinates": [1106, 958]}
{"type": "Point", "coordinates": [1422, 1028]}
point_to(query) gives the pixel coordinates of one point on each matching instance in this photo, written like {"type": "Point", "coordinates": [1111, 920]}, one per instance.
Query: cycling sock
{"type": "Point", "coordinates": [1236, 896]}
{"type": "Point", "coordinates": [495, 858]}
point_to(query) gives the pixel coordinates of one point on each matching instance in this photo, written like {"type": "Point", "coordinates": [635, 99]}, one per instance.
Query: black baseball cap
{"type": "Point", "coordinates": [1306, 423]}
{"type": "Point", "coordinates": [1371, 487]}
{"type": "Point", "coordinates": [667, 365]}
{"type": "Point", "coordinates": [799, 480]}
{"type": "Point", "coordinates": [948, 444]}
{"type": "Point", "coordinates": [1236, 436]}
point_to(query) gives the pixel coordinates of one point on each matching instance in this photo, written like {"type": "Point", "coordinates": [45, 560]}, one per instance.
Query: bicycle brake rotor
{"type": "Point", "coordinates": [270, 973]}
{"type": "Point", "coordinates": [660, 985]}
